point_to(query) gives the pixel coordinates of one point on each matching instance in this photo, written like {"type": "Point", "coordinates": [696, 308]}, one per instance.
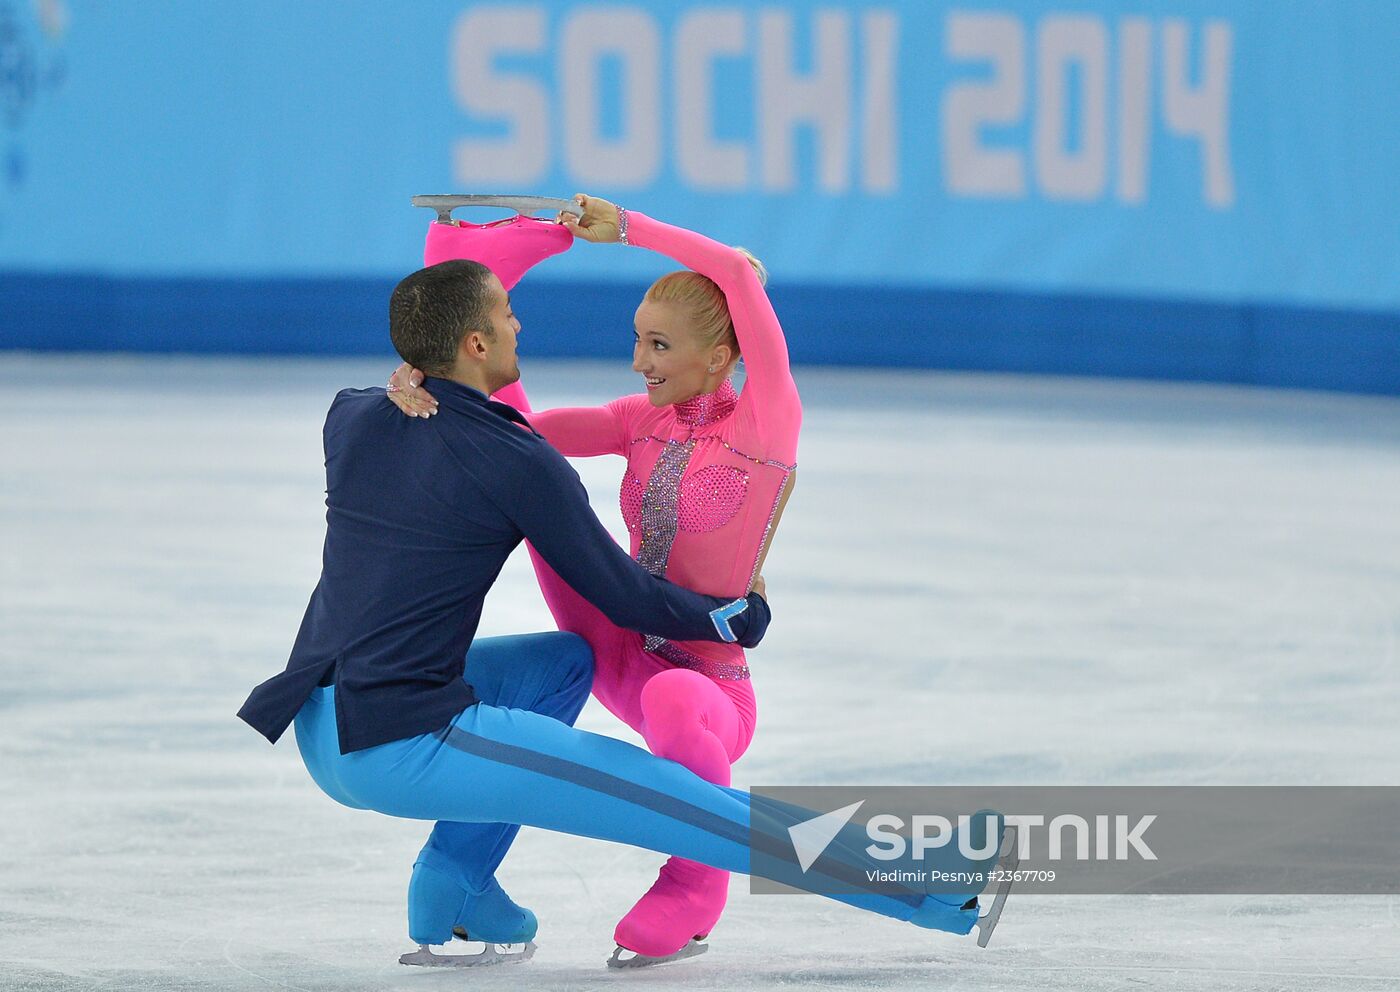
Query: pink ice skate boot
{"type": "Point", "coordinates": [508, 248]}
{"type": "Point", "coordinates": [678, 911]}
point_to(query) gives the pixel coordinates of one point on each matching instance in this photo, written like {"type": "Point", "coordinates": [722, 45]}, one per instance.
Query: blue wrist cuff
{"type": "Point", "coordinates": [723, 614]}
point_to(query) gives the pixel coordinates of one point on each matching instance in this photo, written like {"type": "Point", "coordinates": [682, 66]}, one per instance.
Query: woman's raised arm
{"type": "Point", "coordinates": [769, 384]}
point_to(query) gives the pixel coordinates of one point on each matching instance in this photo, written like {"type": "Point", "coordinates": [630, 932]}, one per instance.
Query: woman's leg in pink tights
{"type": "Point", "coordinates": [688, 718]}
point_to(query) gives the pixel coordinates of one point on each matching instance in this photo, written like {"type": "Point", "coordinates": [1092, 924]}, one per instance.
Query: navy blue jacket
{"type": "Point", "coordinates": [421, 515]}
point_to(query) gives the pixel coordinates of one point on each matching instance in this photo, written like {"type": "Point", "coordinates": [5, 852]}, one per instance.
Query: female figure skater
{"type": "Point", "coordinates": [708, 472]}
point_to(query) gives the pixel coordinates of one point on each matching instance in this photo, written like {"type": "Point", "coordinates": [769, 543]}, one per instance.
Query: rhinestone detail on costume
{"type": "Point", "coordinates": [698, 411]}
{"type": "Point", "coordinates": [659, 506]}
{"type": "Point", "coordinates": [768, 527]}
{"type": "Point", "coordinates": [711, 497]}
{"type": "Point", "coordinates": [727, 446]}
{"type": "Point", "coordinates": [630, 499]}
{"type": "Point", "coordinates": [682, 658]}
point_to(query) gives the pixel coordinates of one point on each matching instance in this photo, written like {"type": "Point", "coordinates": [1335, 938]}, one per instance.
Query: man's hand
{"type": "Point", "coordinates": [599, 222]}
{"type": "Point", "coordinates": [757, 617]}
{"type": "Point", "coordinates": [405, 389]}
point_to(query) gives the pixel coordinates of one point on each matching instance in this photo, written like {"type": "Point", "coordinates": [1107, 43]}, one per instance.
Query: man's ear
{"type": "Point", "coordinates": [473, 346]}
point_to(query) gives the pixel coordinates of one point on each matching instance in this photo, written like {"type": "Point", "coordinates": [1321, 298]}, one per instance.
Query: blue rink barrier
{"type": "Point", "coordinates": [1168, 189]}
{"type": "Point", "coordinates": [915, 327]}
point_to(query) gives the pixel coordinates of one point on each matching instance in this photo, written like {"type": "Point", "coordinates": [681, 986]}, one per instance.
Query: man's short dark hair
{"type": "Point", "coordinates": [433, 309]}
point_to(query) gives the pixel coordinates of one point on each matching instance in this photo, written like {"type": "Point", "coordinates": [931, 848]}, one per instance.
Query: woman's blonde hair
{"type": "Point", "coordinates": [704, 302]}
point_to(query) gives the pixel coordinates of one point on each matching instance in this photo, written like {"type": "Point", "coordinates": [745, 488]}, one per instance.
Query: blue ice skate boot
{"type": "Point", "coordinates": [957, 878]}
{"type": "Point", "coordinates": [440, 908]}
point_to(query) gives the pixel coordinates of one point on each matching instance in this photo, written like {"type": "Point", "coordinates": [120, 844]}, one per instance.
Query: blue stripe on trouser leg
{"type": "Point", "coordinates": [495, 764]}
{"type": "Point", "coordinates": [453, 881]}
{"type": "Point", "coordinates": [840, 874]}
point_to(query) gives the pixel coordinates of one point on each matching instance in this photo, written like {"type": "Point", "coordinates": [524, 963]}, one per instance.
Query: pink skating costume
{"type": "Point", "coordinates": [703, 483]}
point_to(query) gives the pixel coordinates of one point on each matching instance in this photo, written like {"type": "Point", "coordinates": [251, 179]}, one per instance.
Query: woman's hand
{"type": "Point", "coordinates": [599, 222]}
{"type": "Point", "coordinates": [405, 389]}
{"type": "Point", "coordinates": [760, 587]}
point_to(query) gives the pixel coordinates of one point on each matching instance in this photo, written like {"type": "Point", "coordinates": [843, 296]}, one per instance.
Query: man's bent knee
{"type": "Point", "coordinates": [574, 659]}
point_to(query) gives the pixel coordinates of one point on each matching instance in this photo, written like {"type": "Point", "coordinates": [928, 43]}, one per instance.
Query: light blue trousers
{"type": "Point", "coordinates": [514, 758]}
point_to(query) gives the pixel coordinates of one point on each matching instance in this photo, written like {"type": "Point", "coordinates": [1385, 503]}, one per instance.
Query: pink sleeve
{"type": "Point", "coordinates": [769, 388]}
{"type": "Point", "coordinates": [513, 395]}
{"type": "Point", "coordinates": [579, 431]}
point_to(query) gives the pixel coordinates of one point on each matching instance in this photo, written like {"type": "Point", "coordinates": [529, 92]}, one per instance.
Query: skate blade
{"type": "Point", "coordinates": [460, 933]}
{"type": "Point", "coordinates": [424, 958]}
{"type": "Point", "coordinates": [690, 950]}
{"type": "Point", "coordinates": [1010, 859]}
{"type": "Point", "coordinates": [444, 204]}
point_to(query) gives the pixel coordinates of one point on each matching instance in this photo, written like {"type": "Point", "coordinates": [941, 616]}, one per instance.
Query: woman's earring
{"type": "Point", "coordinates": [712, 370]}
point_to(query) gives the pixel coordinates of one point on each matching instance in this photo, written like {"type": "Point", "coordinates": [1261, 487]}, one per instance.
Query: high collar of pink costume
{"type": "Point", "coordinates": [708, 407]}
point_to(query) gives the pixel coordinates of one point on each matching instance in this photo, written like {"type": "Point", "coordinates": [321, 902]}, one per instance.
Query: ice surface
{"type": "Point", "coordinates": [1074, 582]}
